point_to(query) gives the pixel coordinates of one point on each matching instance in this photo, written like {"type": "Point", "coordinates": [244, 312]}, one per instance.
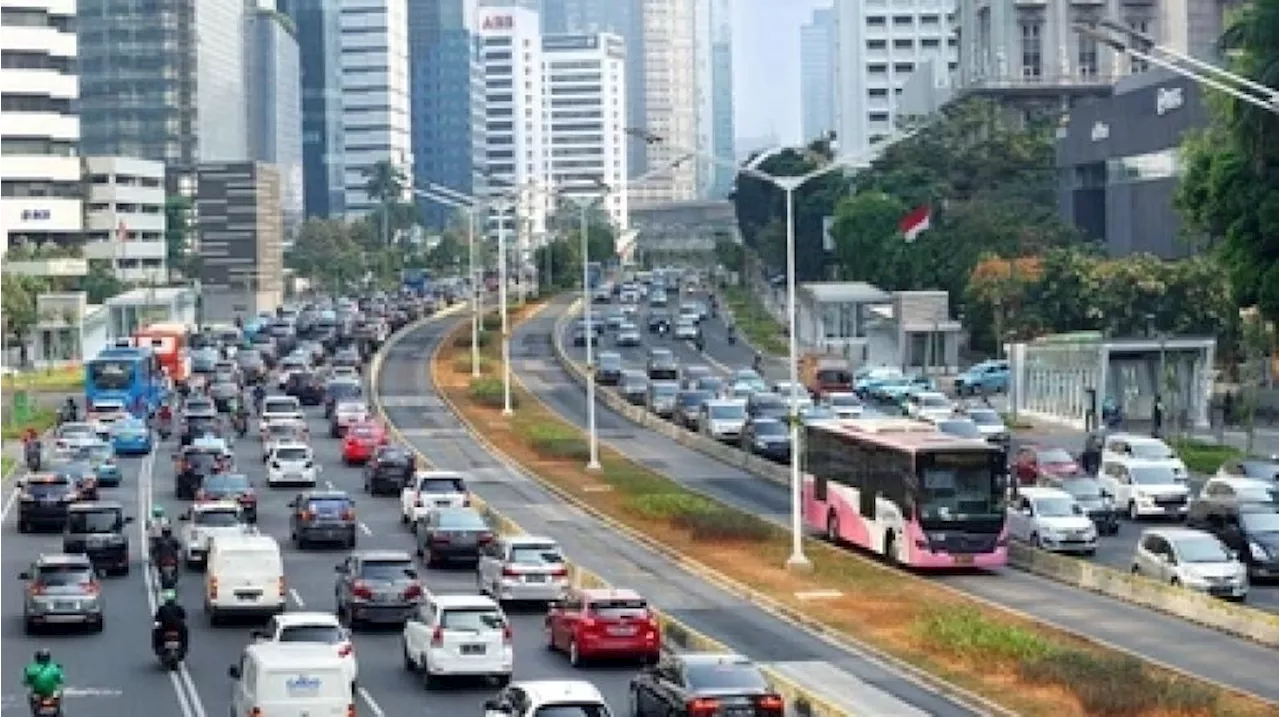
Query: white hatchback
{"type": "Point", "coordinates": [291, 463]}
{"type": "Point", "coordinates": [459, 636]}
{"type": "Point", "coordinates": [206, 521]}
{"type": "Point", "coordinates": [1193, 559]}
{"type": "Point", "coordinates": [1051, 519]}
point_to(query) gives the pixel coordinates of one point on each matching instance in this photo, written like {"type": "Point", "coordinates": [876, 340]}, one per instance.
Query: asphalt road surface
{"type": "Point", "coordinates": [1216, 656]}
{"type": "Point", "coordinates": [413, 406]}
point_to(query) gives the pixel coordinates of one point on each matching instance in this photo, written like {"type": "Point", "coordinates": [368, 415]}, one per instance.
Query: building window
{"type": "Point", "coordinates": [902, 21]}
{"type": "Point", "coordinates": [875, 21]}
{"type": "Point", "coordinates": [1032, 54]}
{"type": "Point", "coordinates": [1142, 25]}
{"type": "Point", "coordinates": [904, 44]}
{"type": "Point", "coordinates": [1086, 55]}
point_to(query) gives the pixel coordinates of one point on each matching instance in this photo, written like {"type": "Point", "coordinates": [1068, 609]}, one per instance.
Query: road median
{"type": "Point", "coordinates": [960, 647]}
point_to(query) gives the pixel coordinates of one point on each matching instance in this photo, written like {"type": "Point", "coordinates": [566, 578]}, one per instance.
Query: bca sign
{"type": "Point", "coordinates": [497, 22]}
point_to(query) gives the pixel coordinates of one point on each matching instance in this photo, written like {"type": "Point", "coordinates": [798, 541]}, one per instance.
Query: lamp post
{"type": "Point", "coordinates": [789, 185]}
{"type": "Point", "coordinates": [502, 206]}
{"type": "Point", "coordinates": [471, 207]}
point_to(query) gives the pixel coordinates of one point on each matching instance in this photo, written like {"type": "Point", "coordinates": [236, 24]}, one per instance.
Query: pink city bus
{"type": "Point", "coordinates": [899, 488]}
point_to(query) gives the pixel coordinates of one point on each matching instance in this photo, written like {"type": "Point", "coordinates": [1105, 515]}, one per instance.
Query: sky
{"type": "Point", "coordinates": [766, 66]}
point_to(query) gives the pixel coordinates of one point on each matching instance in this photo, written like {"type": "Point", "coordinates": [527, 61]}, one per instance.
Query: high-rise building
{"type": "Point", "coordinates": [375, 94]}
{"type": "Point", "coordinates": [242, 239]}
{"type": "Point", "coordinates": [817, 74]}
{"type": "Point", "coordinates": [878, 47]}
{"type": "Point", "coordinates": [514, 106]}
{"type": "Point", "coordinates": [275, 106]}
{"type": "Point", "coordinates": [124, 218]}
{"type": "Point", "coordinates": [323, 145]}
{"type": "Point", "coordinates": [447, 81]}
{"type": "Point", "coordinates": [586, 105]}
{"type": "Point", "coordinates": [40, 171]}
{"type": "Point", "coordinates": [719, 182]}
{"type": "Point", "coordinates": [670, 100]}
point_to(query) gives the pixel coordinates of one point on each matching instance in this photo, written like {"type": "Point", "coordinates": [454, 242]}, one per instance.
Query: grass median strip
{"type": "Point", "coordinates": [1025, 666]}
{"type": "Point", "coordinates": [755, 322]}
{"type": "Point", "coordinates": [1203, 457]}
{"type": "Point", "coordinates": [41, 418]}
{"type": "Point", "coordinates": [55, 380]}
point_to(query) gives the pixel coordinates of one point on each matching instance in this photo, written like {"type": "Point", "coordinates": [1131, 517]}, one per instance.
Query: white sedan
{"type": "Point", "coordinates": [319, 628]}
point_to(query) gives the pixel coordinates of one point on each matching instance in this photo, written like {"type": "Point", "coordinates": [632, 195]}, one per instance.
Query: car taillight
{"type": "Point", "coordinates": [772, 704]}
{"type": "Point", "coordinates": [588, 623]}
{"type": "Point", "coordinates": [213, 588]}
{"type": "Point", "coordinates": [36, 589]}
{"type": "Point", "coordinates": [361, 590]}
{"type": "Point", "coordinates": [351, 709]}
{"type": "Point", "coordinates": [308, 515]}
{"type": "Point", "coordinates": [509, 572]}
{"type": "Point", "coordinates": [413, 592]}
{"type": "Point", "coordinates": [507, 634]}
{"type": "Point", "coordinates": [255, 712]}
{"type": "Point", "coordinates": [348, 514]}
{"type": "Point", "coordinates": [560, 572]}
{"type": "Point", "coordinates": [417, 502]}
{"type": "Point", "coordinates": [91, 588]}
{"type": "Point", "coordinates": [437, 637]}
{"type": "Point", "coordinates": [485, 538]}
{"type": "Point", "coordinates": [280, 584]}
{"type": "Point", "coordinates": [346, 649]}
{"type": "Point", "coordinates": [703, 707]}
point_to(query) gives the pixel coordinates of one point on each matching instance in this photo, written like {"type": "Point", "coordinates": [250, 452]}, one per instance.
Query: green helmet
{"type": "Point", "coordinates": [169, 596]}
{"type": "Point", "coordinates": [157, 511]}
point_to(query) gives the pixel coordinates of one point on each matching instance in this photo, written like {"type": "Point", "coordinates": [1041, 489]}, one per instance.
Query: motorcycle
{"type": "Point", "coordinates": [240, 421]}
{"type": "Point", "coordinates": [50, 706]}
{"type": "Point", "coordinates": [33, 453]}
{"type": "Point", "coordinates": [167, 571]}
{"type": "Point", "coordinates": [88, 489]}
{"type": "Point", "coordinates": [170, 652]}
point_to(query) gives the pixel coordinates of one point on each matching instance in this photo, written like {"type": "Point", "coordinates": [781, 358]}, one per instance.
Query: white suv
{"type": "Point", "coordinates": [536, 697]}
{"type": "Point", "coordinates": [206, 521]}
{"type": "Point", "coordinates": [312, 628]}
{"type": "Point", "coordinates": [1146, 489]}
{"type": "Point", "coordinates": [1051, 519]}
{"type": "Point", "coordinates": [430, 490]}
{"type": "Point", "coordinates": [291, 463]}
{"type": "Point", "coordinates": [281, 408]}
{"type": "Point", "coordinates": [459, 636]}
{"type": "Point", "coordinates": [1131, 447]}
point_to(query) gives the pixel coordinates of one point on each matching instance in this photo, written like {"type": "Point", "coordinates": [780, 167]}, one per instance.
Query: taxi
{"type": "Point", "coordinates": [361, 440]}
{"type": "Point", "coordinates": [101, 456]}
{"type": "Point", "coordinates": [130, 436]}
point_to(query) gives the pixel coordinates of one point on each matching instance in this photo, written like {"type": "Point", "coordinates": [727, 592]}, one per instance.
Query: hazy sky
{"type": "Point", "coordinates": [766, 66]}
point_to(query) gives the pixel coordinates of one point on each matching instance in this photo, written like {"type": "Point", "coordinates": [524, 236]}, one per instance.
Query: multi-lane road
{"type": "Point", "coordinates": [1181, 644]}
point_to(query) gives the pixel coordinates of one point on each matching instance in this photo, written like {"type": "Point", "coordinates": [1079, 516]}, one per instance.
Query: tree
{"type": "Point", "coordinates": [18, 302]}
{"type": "Point", "coordinates": [385, 184]}
{"type": "Point", "coordinates": [560, 264]}
{"type": "Point", "coordinates": [101, 283]}
{"type": "Point", "coordinates": [177, 234]}
{"type": "Point", "coordinates": [324, 251]}
{"type": "Point", "coordinates": [449, 254]}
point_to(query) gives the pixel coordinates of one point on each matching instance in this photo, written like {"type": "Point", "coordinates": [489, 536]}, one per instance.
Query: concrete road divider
{"type": "Point", "coordinates": [675, 634]}
{"type": "Point", "coordinates": [1199, 608]}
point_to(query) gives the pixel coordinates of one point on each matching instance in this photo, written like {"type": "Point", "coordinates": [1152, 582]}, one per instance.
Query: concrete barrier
{"type": "Point", "coordinates": [1245, 622]}
{"type": "Point", "coordinates": [800, 702]}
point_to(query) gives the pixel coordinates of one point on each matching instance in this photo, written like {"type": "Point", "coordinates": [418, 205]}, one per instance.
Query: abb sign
{"type": "Point", "coordinates": [497, 22]}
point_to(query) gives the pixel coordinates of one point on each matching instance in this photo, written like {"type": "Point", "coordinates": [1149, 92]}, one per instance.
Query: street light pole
{"type": "Point", "coordinates": [502, 300]}
{"type": "Point", "coordinates": [593, 463]}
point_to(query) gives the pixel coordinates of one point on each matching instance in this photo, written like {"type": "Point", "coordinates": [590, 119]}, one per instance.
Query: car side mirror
{"type": "Point", "coordinates": [495, 705]}
{"type": "Point", "coordinates": [233, 672]}
{"type": "Point", "coordinates": [339, 569]}
{"type": "Point", "coordinates": [128, 519]}
{"type": "Point", "coordinates": [184, 517]}
{"type": "Point", "coordinates": [258, 634]}
{"type": "Point", "coordinates": [21, 483]}
{"type": "Point", "coordinates": [24, 575]}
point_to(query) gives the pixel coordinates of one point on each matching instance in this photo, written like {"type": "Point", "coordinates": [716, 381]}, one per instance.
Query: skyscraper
{"type": "Point", "coordinates": [275, 106]}
{"type": "Point", "coordinates": [714, 48]}
{"type": "Point", "coordinates": [374, 42]}
{"type": "Point", "coordinates": [817, 74]}
{"type": "Point", "coordinates": [586, 96]}
{"type": "Point", "coordinates": [670, 99]}
{"type": "Point", "coordinates": [40, 130]}
{"type": "Point", "coordinates": [323, 144]}
{"type": "Point", "coordinates": [447, 81]}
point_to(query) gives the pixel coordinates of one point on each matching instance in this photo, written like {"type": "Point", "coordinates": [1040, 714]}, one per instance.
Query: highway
{"type": "Point", "coordinates": [1216, 656]}
{"type": "Point", "coordinates": [414, 407]}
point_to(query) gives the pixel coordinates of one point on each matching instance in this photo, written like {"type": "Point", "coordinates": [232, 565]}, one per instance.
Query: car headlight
{"type": "Point", "coordinates": [1258, 552]}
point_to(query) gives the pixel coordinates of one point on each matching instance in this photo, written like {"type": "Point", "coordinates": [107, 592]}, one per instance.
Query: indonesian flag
{"type": "Point", "coordinates": [122, 232]}
{"type": "Point", "coordinates": [915, 222]}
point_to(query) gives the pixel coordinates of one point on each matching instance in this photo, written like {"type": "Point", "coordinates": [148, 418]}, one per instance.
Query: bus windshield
{"type": "Point", "coordinates": [958, 486]}
{"type": "Point", "coordinates": [111, 375]}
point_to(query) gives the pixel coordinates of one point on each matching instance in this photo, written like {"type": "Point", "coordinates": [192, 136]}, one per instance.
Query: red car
{"type": "Point", "coordinates": [597, 623]}
{"type": "Point", "coordinates": [361, 440]}
{"type": "Point", "coordinates": [1033, 462]}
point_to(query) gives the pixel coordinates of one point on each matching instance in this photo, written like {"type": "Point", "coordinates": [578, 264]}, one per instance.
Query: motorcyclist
{"type": "Point", "coordinates": [70, 412]}
{"type": "Point", "coordinates": [159, 521]}
{"type": "Point", "coordinates": [170, 617]}
{"type": "Point", "coordinates": [43, 676]}
{"type": "Point", "coordinates": [167, 547]}
{"type": "Point", "coordinates": [259, 395]}
{"type": "Point", "coordinates": [758, 362]}
{"type": "Point", "coordinates": [732, 333]}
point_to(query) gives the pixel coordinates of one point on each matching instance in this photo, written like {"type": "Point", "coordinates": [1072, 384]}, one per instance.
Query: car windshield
{"type": "Point", "coordinates": [281, 430]}
{"type": "Point", "coordinates": [441, 485]}
{"type": "Point", "coordinates": [536, 555]}
{"type": "Point", "coordinates": [1087, 489]}
{"type": "Point", "coordinates": [728, 412]}
{"type": "Point", "coordinates": [471, 619]}
{"type": "Point", "coordinates": [328, 507]}
{"type": "Point", "coordinates": [694, 398]}
{"type": "Point", "coordinates": [225, 483]}
{"type": "Point", "coordinates": [960, 429]}
{"type": "Point", "coordinates": [270, 406]}
{"type": "Point", "coordinates": [460, 520]}
{"type": "Point", "coordinates": [388, 570]}
{"type": "Point", "coordinates": [661, 355]}
{"type": "Point", "coordinates": [111, 375]}
{"type": "Point", "coordinates": [326, 634]}
{"type": "Point", "coordinates": [63, 575]}
{"type": "Point", "coordinates": [107, 407]}
{"type": "Point", "coordinates": [217, 518]}
{"type": "Point", "coordinates": [665, 390]}
{"type": "Point", "coordinates": [1151, 451]}
{"type": "Point", "coordinates": [95, 521]}
{"type": "Point", "coordinates": [1261, 470]}
{"type": "Point", "coordinates": [573, 709]}
{"type": "Point", "coordinates": [985, 418]}
{"type": "Point", "coordinates": [129, 428]}
{"type": "Point", "coordinates": [959, 484]}
{"type": "Point", "coordinates": [1054, 455]}
{"type": "Point", "coordinates": [97, 452]}
{"type": "Point", "coordinates": [1056, 507]}
{"type": "Point", "coordinates": [846, 400]}
{"type": "Point", "coordinates": [1256, 523]}
{"type": "Point", "coordinates": [934, 401]}
{"type": "Point", "coordinates": [723, 676]}
{"type": "Point", "coordinates": [1206, 549]}
{"type": "Point", "coordinates": [76, 430]}
{"type": "Point", "coordinates": [770, 428]}
{"type": "Point", "coordinates": [361, 432]}
{"type": "Point", "coordinates": [292, 453]}
{"type": "Point", "coordinates": [346, 389]}
{"type": "Point", "coordinates": [200, 461]}
{"type": "Point", "coordinates": [1153, 475]}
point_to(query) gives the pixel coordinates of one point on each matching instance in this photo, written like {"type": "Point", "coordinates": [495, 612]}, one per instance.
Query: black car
{"type": "Point", "coordinates": [340, 389]}
{"type": "Point", "coordinates": [377, 586]}
{"type": "Point", "coordinates": [634, 387]}
{"type": "Point", "coordinates": [234, 487]}
{"type": "Point", "coordinates": [663, 365]}
{"type": "Point", "coordinates": [1252, 530]}
{"type": "Point", "coordinates": [323, 516]}
{"type": "Point", "coordinates": [608, 368]}
{"type": "Point", "coordinates": [767, 437]}
{"type": "Point", "coordinates": [766, 405]}
{"type": "Point", "coordinates": [44, 500]}
{"type": "Point", "coordinates": [203, 424]}
{"type": "Point", "coordinates": [689, 405]}
{"type": "Point", "coordinates": [97, 529]}
{"type": "Point", "coordinates": [306, 387]}
{"type": "Point", "coordinates": [451, 534]}
{"type": "Point", "coordinates": [1091, 497]}
{"type": "Point", "coordinates": [191, 465]}
{"type": "Point", "coordinates": [659, 321]}
{"type": "Point", "coordinates": [389, 471]}
{"type": "Point", "coordinates": [580, 337]}
{"type": "Point", "coordinates": [732, 683]}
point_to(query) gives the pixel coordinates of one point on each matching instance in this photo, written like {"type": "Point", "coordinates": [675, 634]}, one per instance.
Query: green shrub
{"type": "Point", "coordinates": [463, 339]}
{"type": "Point", "coordinates": [1203, 457]}
{"type": "Point", "coordinates": [555, 441]}
{"type": "Point", "coordinates": [969, 634]}
{"type": "Point", "coordinates": [39, 417]}
{"type": "Point", "coordinates": [1117, 685]}
{"type": "Point", "coordinates": [491, 322]}
{"type": "Point", "coordinates": [634, 480]}
{"type": "Point", "coordinates": [725, 524]}
{"type": "Point", "coordinates": [671, 506]}
{"type": "Point", "coordinates": [487, 391]}
{"type": "Point", "coordinates": [462, 364]}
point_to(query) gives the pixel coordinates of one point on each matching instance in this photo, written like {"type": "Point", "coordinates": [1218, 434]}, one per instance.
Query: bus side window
{"type": "Point", "coordinates": [819, 463]}
{"type": "Point", "coordinates": [872, 461]}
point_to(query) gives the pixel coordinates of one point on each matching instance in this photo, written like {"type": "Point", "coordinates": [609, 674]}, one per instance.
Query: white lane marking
{"type": "Point", "coordinates": [9, 503]}
{"type": "Point", "coordinates": [368, 700]}
{"type": "Point", "coordinates": [183, 686]}
{"type": "Point", "coordinates": [293, 595]}
{"type": "Point", "coordinates": [365, 529]}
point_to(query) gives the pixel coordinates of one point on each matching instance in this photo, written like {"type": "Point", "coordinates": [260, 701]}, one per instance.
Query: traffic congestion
{"type": "Point", "coordinates": [247, 536]}
{"type": "Point", "coordinates": [1122, 499]}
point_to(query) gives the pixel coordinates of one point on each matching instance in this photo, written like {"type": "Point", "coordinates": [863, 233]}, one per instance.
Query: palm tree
{"type": "Point", "coordinates": [384, 184]}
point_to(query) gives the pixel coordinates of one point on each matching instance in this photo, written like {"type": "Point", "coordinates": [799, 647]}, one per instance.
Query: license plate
{"type": "Point", "coordinates": [535, 578]}
{"type": "Point", "coordinates": [964, 560]}
{"type": "Point", "coordinates": [473, 649]}
{"type": "Point", "coordinates": [442, 504]}
{"type": "Point", "coordinates": [63, 605]}
{"type": "Point", "coordinates": [622, 631]}
{"type": "Point", "coordinates": [172, 645]}
{"type": "Point", "coordinates": [248, 594]}
{"type": "Point", "coordinates": [293, 476]}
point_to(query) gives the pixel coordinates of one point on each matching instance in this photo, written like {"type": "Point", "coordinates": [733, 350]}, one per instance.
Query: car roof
{"type": "Point", "coordinates": [448, 601]}
{"type": "Point", "coordinates": [294, 656]}
{"type": "Point", "coordinates": [75, 425]}
{"type": "Point", "coordinates": [530, 540]}
{"type": "Point", "coordinates": [592, 594]}
{"type": "Point", "coordinates": [543, 692]}
{"type": "Point", "coordinates": [76, 559]}
{"type": "Point", "coordinates": [211, 505]}
{"type": "Point", "coordinates": [314, 617]}
{"type": "Point", "coordinates": [1133, 438]}
{"type": "Point", "coordinates": [712, 658]}
{"type": "Point", "coordinates": [383, 555]}
{"type": "Point", "coordinates": [1039, 491]}
{"type": "Point", "coordinates": [287, 443]}
{"type": "Point", "coordinates": [87, 506]}
{"type": "Point", "coordinates": [1176, 533]}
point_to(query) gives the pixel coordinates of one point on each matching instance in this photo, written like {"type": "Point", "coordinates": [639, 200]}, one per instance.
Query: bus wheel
{"type": "Point", "coordinates": [833, 528]}
{"type": "Point", "coordinates": [890, 548]}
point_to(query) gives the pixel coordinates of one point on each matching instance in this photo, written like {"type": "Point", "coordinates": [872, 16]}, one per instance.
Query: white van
{"type": "Point", "coordinates": [244, 575]}
{"type": "Point", "coordinates": [290, 680]}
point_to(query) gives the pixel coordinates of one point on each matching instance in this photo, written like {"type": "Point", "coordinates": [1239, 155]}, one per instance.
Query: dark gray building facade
{"type": "Point", "coordinates": [241, 231]}
{"type": "Point", "coordinates": [1118, 162]}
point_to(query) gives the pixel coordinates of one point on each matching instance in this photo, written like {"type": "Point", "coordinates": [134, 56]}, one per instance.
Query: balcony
{"type": "Point", "coordinates": [1032, 86]}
